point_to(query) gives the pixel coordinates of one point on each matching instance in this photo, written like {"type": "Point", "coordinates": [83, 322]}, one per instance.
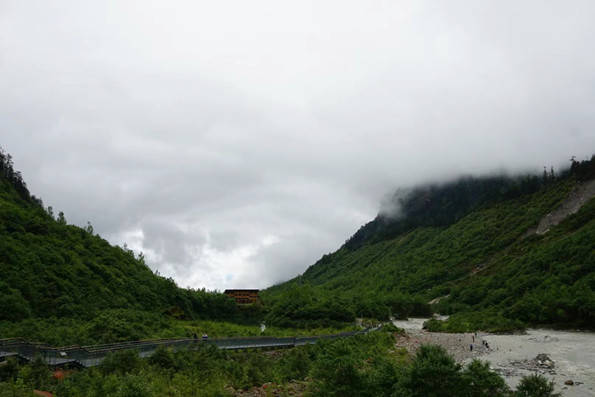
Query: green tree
{"type": "Point", "coordinates": [121, 362]}
{"type": "Point", "coordinates": [336, 372]}
{"type": "Point", "coordinates": [535, 386]}
{"type": "Point", "coordinates": [36, 375]}
{"type": "Point", "coordinates": [163, 357]}
{"type": "Point", "coordinates": [61, 218]}
{"type": "Point", "coordinates": [13, 307]}
{"type": "Point", "coordinates": [482, 382]}
{"type": "Point", "coordinates": [433, 373]}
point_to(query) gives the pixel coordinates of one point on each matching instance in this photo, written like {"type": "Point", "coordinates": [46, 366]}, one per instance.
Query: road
{"type": "Point", "coordinates": [88, 356]}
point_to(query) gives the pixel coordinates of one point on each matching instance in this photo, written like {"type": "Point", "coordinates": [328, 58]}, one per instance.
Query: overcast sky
{"type": "Point", "coordinates": [235, 142]}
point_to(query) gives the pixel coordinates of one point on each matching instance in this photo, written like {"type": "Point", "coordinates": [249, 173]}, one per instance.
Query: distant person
{"type": "Point", "coordinates": [471, 347]}
{"type": "Point", "coordinates": [205, 337]}
{"type": "Point", "coordinates": [195, 336]}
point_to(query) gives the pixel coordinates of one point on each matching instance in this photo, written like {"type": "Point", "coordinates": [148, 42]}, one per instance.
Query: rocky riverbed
{"type": "Point", "coordinates": [460, 346]}
{"type": "Point", "coordinates": [565, 357]}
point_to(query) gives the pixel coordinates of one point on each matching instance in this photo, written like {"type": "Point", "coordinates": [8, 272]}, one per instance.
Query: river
{"type": "Point", "coordinates": [572, 354]}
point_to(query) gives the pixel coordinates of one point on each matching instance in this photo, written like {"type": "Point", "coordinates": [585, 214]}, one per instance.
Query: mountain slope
{"type": "Point", "coordinates": [50, 268]}
{"type": "Point", "coordinates": [480, 257]}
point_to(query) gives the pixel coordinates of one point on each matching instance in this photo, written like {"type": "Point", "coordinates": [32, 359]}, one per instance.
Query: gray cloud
{"type": "Point", "coordinates": [235, 143]}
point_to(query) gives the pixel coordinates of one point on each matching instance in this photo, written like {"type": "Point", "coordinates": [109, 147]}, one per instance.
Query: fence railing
{"type": "Point", "coordinates": [88, 356]}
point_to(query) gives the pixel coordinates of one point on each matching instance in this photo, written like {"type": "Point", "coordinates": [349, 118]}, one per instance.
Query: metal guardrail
{"type": "Point", "coordinates": [88, 356]}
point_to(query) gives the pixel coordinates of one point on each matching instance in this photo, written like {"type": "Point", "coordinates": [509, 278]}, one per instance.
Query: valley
{"type": "Point", "coordinates": [476, 249]}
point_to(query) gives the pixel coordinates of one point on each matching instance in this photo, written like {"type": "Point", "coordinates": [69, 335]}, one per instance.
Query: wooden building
{"type": "Point", "coordinates": [243, 296]}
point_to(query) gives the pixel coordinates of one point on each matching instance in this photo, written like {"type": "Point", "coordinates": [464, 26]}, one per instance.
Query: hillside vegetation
{"type": "Point", "coordinates": [469, 245]}
{"type": "Point", "coordinates": [63, 275]}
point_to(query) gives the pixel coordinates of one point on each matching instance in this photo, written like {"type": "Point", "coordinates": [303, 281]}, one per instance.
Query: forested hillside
{"type": "Point", "coordinates": [466, 248]}
{"type": "Point", "coordinates": [470, 248]}
{"type": "Point", "coordinates": [53, 270]}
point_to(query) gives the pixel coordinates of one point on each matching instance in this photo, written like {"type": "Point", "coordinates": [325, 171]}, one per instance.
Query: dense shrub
{"type": "Point", "coordinates": [433, 373]}
{"type": "Point", "coordinates": [535, 386]}
{"type": "Point", "coordinates": [480, 381]}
